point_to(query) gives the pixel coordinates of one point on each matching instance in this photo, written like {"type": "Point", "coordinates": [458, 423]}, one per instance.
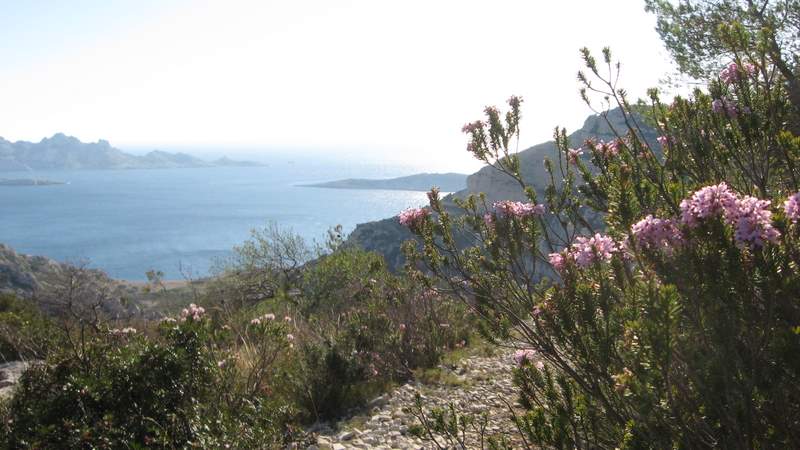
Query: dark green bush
{"type": "Point", "coordinates": [131, 391]}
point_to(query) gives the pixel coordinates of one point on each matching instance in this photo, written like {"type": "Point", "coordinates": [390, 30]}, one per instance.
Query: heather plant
{"type": "Point", "coordinates": [670, 322]}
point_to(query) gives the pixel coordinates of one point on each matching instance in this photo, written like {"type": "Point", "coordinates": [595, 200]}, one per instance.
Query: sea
{"type": "Point", "coordinates": [184, 221]}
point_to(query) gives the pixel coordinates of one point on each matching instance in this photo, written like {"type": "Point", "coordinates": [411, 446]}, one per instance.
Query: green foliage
{"type": "Point", "coordinates": [683, 343]}
{"type": "Point", "coordinates": [25, 333]}
{"type": "Point", "coordinates": [131, 391]}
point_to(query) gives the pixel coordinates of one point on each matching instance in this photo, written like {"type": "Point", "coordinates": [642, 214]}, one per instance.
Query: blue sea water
{"type": "Point", "coordinates": [129, 221]}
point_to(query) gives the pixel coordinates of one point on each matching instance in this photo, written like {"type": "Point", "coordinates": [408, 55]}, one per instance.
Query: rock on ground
{"type": "Point", "coordinates": [9, 376]}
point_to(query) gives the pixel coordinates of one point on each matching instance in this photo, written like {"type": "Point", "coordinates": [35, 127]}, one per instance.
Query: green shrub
{"type": "Point", "coordinates": [671, 323]}
{"type": "Point", "coordinates": [25, 333]}
{"type": "Point", "coordinates": [131, 391]}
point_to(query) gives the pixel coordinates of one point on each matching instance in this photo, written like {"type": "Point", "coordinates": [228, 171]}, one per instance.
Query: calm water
{"type": "Point", "coordinates": [127, 222]}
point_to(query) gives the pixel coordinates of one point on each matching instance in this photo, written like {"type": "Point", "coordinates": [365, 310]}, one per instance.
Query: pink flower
{"type": "Point", "coordinates": [586, 251]}
{"type": "Point", "coordinates": [753, 223]}
{"type": "Point", "coordinates": [193, 312]}
{"type": "Point", "coordinates": [523, 356]}
{"type": "Point", "coordinates": [730, 74]}
{"type": "Point", "coordinates": [652, 232]}
{"type": "Point", "coordinates": [269, 316]}
{"type": "Point", "coordinates": [222, 363]}
{"type": "Point", "coordinates": [608, 149]}
{"type": "Point", "coordinates": [708, 202]}
{"type": "Point", "coordinates": [664, 141]}
{"type": "Point", "coordinates": [255, 321]}
{"type": "Point", "coordinates": [290, 337]}
{"type": "Point", "coordinates": [472, 127]}
{"type": "Point", "coordinates": [792, 207]}
{"type": "Point", "coordinates": [727, 106]}
{"type": "Point", "coordinates": [558, 261]}
{"type": "Point", "coordinates": [413, 217]}
{"type": "Point", "coordinates": [733, 73]}
{"type": "Point", "coordinates": [402, 327]}
{"type": "Point", "coordinates": [507, 208]}
{"type": "Point", "coordinates": [488, 220]}
{"type": "Point", "coordinates": [750, 217]}
{"type": "Point", "coordinates": [573, 154]}
{"type": "Point", "coordinates": [287, 319]}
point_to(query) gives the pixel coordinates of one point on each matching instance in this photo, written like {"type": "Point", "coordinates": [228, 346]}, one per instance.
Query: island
{"type": "Point", "coordinates": [28, 182]}
{"type": "Point", "coordinates": [446, 182]}
{"type": "Point", "coordinates": [62, 152]}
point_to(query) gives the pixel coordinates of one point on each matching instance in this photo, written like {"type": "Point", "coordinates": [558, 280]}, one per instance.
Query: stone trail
{"type": "Point", "coordinates": [475, 384]}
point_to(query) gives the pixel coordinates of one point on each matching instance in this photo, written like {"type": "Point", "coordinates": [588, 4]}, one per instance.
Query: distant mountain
{"type": "Point", "coordinates": [446, 182]}
{"type": "Point", "coordinates": [67, 152]}
{"type": "Point", "coordinates": [385, 236]}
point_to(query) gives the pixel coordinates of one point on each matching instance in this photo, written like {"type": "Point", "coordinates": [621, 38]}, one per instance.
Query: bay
{"type": "Point", "coordinates": [126, 222]}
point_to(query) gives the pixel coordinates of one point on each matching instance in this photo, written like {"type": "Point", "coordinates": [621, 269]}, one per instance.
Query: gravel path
{"type": "Point", "coordinates": [475, 385]}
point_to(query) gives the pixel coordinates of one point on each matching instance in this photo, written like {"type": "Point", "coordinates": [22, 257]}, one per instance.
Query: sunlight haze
{"type": "Point", "coordinates": [381, 81]}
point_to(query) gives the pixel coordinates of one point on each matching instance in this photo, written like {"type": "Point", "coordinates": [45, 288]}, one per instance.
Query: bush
{"type": "Point", "coordinates": [130, 391]}
{"type": "Point", "coordinates": [25, 333]}
{"type": "Point", "coordinates": [673, 323]}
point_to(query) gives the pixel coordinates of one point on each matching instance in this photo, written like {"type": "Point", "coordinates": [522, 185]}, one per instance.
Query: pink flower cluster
{"type": "Point", "coordinates": [604, 149]}
{"type": "Point", "coordinates": [750, 217]}
{"type": "Point", "coordinates": [263, 319]}
{"type": "Point", "coordinates": [610, 148]}
{"type": "Point", "coordinates": [753, 223]}
{"type": "Point", "coordinates": [733, 73]}
{"type": "Point", "coordinates": [726, 106]}
{"type": "Point", "coordinates": [707, 202]}
{"type": "Point", "coordinates": [573, 154]}
{"type": "Point", "coordinates": [193, 312]}
{"type": "Point", "coordinates": [521, 356]}
{"type": "Point", "coordinates": [588, 250]}
{"type": "Point", "coordinates": [558, 260]}
{"type": "Point", "coordinates": [585, 251]}
{"type": "Point", "coordinates": [652, 232]}
{"type": "Point", "coordinates": [792, 207]}
{"type": "Point", "coordinates": [507, 208]}
{"type": "Point", "coordinates": [413, 217]}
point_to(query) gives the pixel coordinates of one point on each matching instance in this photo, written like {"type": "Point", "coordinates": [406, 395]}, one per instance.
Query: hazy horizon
{"type": "Point", "coordinates": [350, 79]}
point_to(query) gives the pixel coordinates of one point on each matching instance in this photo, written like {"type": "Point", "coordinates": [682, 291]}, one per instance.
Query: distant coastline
{"type": "Point", "coordinates": [28, 182]}
{"type": "Point", "coordinates": [62, 152]}
{"type": "Point", "coordinates": [446, 182]}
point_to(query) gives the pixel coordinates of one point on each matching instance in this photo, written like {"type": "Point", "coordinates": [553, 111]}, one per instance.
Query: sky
{"type": "Point", "coordinates": [375, 80]}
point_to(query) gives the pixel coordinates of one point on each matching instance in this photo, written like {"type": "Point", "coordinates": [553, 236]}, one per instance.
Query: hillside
{"type": "Point", "coordinates": [67, 152]}
{"type": "Point", "coordinates": [384, 236]}
{"type": "Point", "coordinates": [45, 280]}
{"type": "Point", "coordinates": [446, 182]}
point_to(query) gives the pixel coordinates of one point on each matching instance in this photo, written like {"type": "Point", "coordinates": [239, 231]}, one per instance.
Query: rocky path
{"type": "Point", "coordinates": [474, 385]}
{"type": "Point", "coordinates": [9, 375]}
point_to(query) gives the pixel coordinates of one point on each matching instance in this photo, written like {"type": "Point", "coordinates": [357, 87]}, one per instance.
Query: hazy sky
{"type": "Point", "coordinates": [390, 80]}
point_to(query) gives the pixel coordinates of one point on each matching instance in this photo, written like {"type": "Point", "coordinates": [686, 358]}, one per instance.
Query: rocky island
{"type": "Point", "coordinates": [62, 152]}
{"type": "Point", "coordinates": [28, 182]}
{"type": "Point", "coordinates": [446, 182]}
